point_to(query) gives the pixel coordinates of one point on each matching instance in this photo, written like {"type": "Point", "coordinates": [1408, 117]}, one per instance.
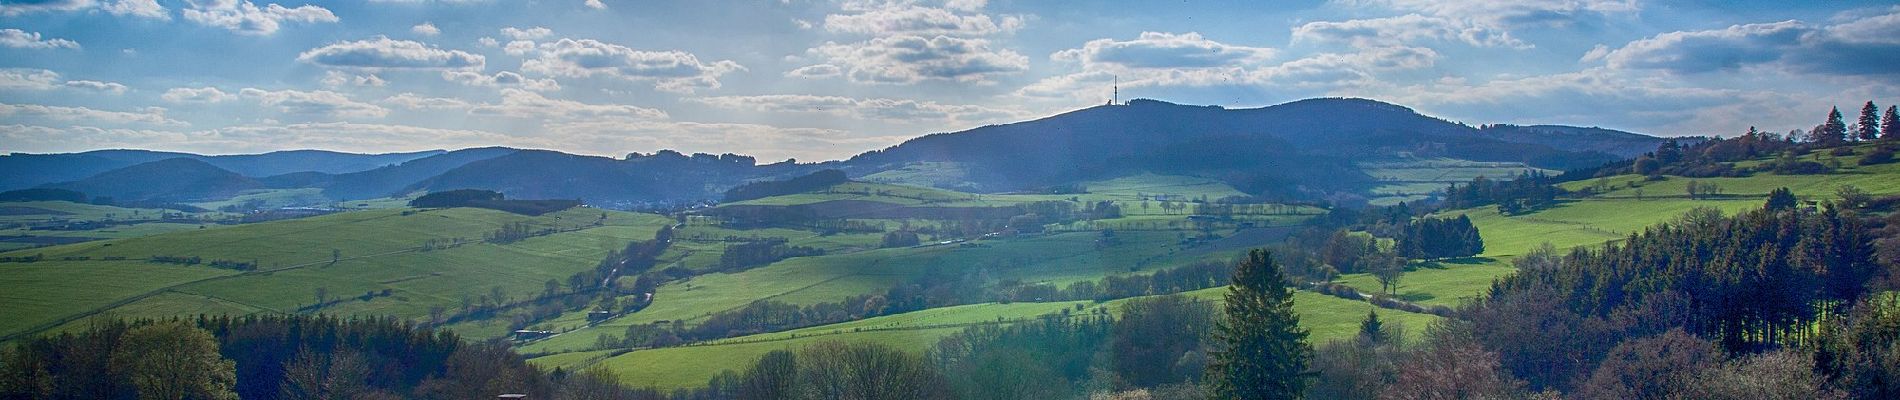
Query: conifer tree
{"type": "Point", "coordinates": [1869, 122]}
{"type": "Point", "coordinates": [1834, 131]}
{"type": "Point", "coordinates": [1889, 127]}
{"type": "Point", "coordinates": [1262, 351]}
{"type": "Point", "coordinates": [1372, 331]}
{"type": "Point", "coordinates": [1780, 199]}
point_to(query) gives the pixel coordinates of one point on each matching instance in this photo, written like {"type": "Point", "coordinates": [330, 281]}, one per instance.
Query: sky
{"type": "Point", "coordinates": [822, 80]}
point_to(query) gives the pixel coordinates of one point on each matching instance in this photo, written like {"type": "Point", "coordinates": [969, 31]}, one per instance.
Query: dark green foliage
{"type": "Point", "coordinates": [1832, 132]}
{"type": "Point", "coordinates": [899, 239]}
{"type": "Point", "coordinates": [1051, 358]}
{"type": "Point", "coordinates": [1753, 282]}
{"type": "Point", "coordinates": [1780, 199]}
{"type": "Point", "coordinates": [490, 200]}
{"type": "Point", "coordinates": [1430, 238]}
{"type": "Point", "coordinates": [831, 370]}
{"type": "Point", "coordinates": [1861, 352]}
{"type": "Point", "coordinates": [1868, 127]}
{"type": "Point", "coordinates": [42, 194]}
{"type": "Point", "coordinates": [1158, 340]}
{"type": "Point", "coordinates": [754, 253]}
{"type": "Point", "coordinates": [1525, 193]}
{"type": "Point", "coordinates": [275, 356]}
{"type": "Point", "coordinates": [1260, 349]}
{"type": "Point", "coordinates": [1890, 126]}
{"type": "Point", "coordinates": [1879, 155]}
{"type": "Point", "coordinates": [759, 190]}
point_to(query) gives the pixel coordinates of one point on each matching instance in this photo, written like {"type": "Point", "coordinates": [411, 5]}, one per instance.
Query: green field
{"type": "Point", "coordinates": [376, 251]}
{"type": "Point", "coordinates": [1329, 318]}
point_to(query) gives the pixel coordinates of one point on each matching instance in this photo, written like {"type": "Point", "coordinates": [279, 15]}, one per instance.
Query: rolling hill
{"type": "Point", "coordinates": [26, 170]}
{"type": "Point", "coordinates": [171, 180]}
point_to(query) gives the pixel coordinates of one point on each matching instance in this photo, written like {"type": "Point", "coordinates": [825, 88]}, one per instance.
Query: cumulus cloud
{"type": "Point", "coordinates": [203, 95]}
{"type": "Point", "coordinates": [501, 79]}
{"type": "Point", "coordinates": [1409, 28]}
{"type": "Point", "coordinates": [97, 86]}
{"type": "Point", "coordinates": [1164, 50]}
{"type": "Point", "coordinates": [671, 71]}
{"type": "Point", "coordinates": [12, 8]}
{"type": "Point", "coordinates": [243, 16]}
{"type": "Point", "coordinates": [148, 116]}
{"type": "Point", "coordinates": [20, 39]}
{"type": "Point", "coordinates": [907, 59]}
{"type": "Point", "coordinates": [903, 110]}
{"type": "Point", "coordinates": [819, 71]}
{"type": "Point", "coordinates": [1508, 14]}
{"type": "Point", "coordinates": [535, 33]}
{"type": "Point", "coordinates": [595, 4]}
{"type": "Point", "coordinates": [519, 103]}
{"type": "Point", "coordinates": [412, 101]}
{"type": "Point", "coordinates": [340, 78]}
{"type": "Point", "coordinates": [919, 20]}
{"type": "Point", "coordinates": [1862, 46]}
{"type": "Point", "coordinates": [425, 29]}
{"type": "Point", "coordinates": [385, 53]}
{"type": "Point", "coordinates": [28, 79]}
{"type": "Point", "coordinates": [138, 8]}
{"type": "Point", "coordinates": [314, 103]}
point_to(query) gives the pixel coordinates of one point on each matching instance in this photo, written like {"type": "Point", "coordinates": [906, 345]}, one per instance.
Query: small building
{"type": "Point", "coordinates": [599, 315]}
{"type": "Point", "coordinates": [526, 334]}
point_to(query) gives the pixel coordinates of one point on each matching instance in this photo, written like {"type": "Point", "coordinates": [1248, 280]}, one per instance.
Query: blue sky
{"type": "Point", "coordinates": [822, 80]}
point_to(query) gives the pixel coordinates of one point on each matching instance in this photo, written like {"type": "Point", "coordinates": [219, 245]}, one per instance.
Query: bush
{"type": "Point", "coordinates": [1842, 151]}
{"type": "Point", "coordinates": [1880, 155]}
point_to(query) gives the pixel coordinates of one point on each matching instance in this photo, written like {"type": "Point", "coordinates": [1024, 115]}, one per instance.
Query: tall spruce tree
{"type": "Point", "coordinates": [1889, 127]}
{"type": "Point", "coordinates": [1869, 128]}
{"type": "Point", "coordinates": [1834, 131]}
{"type": "Point", "coordinates": [1371, 330]}
{"type": "Point", "coordinates": [1262, 351]}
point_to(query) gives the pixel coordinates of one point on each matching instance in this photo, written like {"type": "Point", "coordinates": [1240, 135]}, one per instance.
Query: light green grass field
{"type": "Point", "coordinates": [269, 199]}
{"type": "Point", "coordinates": [380, 250]}
{"type": "Point", "coordinates": [1328, 318]}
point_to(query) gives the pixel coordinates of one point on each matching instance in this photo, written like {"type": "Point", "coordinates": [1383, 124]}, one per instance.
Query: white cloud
{"type": "Point", "coordinates": [900, 110]}
{"type": "Point", "coordinates": [671, 71]}
{"type": "Point", "coordinates": [501, 79]}
{"type": "Point", "coordinates": [535, 33]}
{"type": "Point", "coordinates": [338, 136]}
{"type": "Point", "coordinates": [519, 103]}
{"type": "Point", "coordinates": [1508, 14]}
{"type": "Point", "coordinates": [819, 71]}
{"type": "Point", "coordinates": [918, 20]}
{"type": "Point", "coordinates": [138, 8]}
{"type": "Point", "coordinates": [314, 103]}
{"type": "Point", "coordinates": [595, 4]}
{"type": "Point", "coordinates": [28, 79]}
{"type": "Point", "coordinates": [12, 8]}
{"type": "Point", "coordinates": [425, 29]}
{"type": "Point", "coordinates": [907, 59]}
{"type": "Point", "coordinates": [1858, 46]}
{"type": "Point", "coordinates": [97, 86]}
{"type": "Point", "coordinates": [412, 101]}
{"type": "Point", "coordinates": [385, 53]}
{"type": "Point", "coordinates": [1405, 29]}
{"type": "Point", "coordinates": [1164, 50]}
{"type": "Point", "coordinates": [203, 95]}
{"type": "Point", "coordinates": [340, 78]}
{"type": "Point", "coordinates": [764, 141]}
{"type": "Point", "coordinates": [243, 16]}
{"type": "Point", "coordinates": [148, 116]}
{"type": "Point", "coordinates": [20, 39]}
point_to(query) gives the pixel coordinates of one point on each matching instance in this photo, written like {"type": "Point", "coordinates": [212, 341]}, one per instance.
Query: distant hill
{"type": "Point", "coordinates": [28, 170]}
{"type": "Point", "coordinates": [393, 179]}
{"type": "Point", "coordinates": [1308, 144]}
{"type": "Point", "coordinates": [666, 176]}
{"type": "Point", "coordinates": [181, 179]}
{"type": "Point", "coordinates": [1609, 141]}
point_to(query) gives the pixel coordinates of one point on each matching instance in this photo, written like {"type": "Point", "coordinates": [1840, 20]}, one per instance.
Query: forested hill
{"type": "Point", "coordinates": [28, 170]}
{"type": "Point", "coordinates": [1304, 144]}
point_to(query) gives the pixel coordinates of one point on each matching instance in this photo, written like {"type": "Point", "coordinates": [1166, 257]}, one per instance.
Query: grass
{"type": "Point", "coordinates": [1328, 318]}
{"type": "Point", "coordinates": [269, 199]}
{"type": "Point", "coordinates": [380, 250]}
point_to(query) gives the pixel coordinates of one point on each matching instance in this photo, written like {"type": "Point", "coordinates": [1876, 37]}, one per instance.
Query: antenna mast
{"type": "Point", "coordinates": [1118, 92]}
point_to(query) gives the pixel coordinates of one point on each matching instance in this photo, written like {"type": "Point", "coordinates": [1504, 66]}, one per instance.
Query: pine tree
{"type": "Point", "coordinates": [1780, 199]}
{"type": "Point", "coordinates": [1262, 351]}
{"type": "Point", "coordinates": [1371, 330]}
{"type": "Point", "coordinates": [1834, 131]}
{"type": "Point", "coordinates": [1869, 122]}
{"type": "Point", "coordinates": [1890, 127]}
